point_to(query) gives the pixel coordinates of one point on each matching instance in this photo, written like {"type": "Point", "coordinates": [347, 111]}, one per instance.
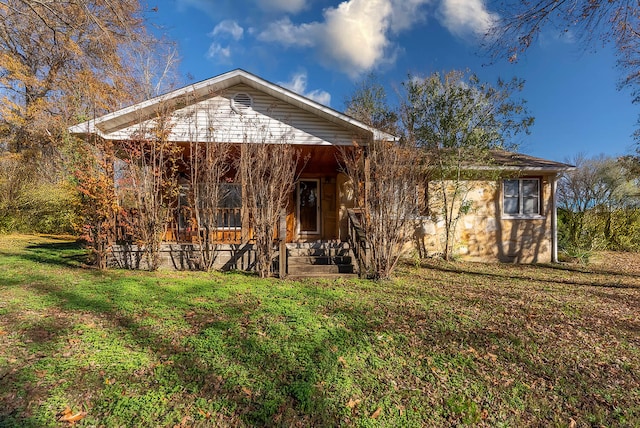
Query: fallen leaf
{"type": "Point", "coordinates": [247, 391]}
{"type": "Point", "coordinates": [572, 423]}
{"type": "Point", "coordinates": [376, 414]}
{"type": "Point", "coordinates": [353, 403]}
{"type": "Point", "coordinates": [342, 361]}
{"type": "Point", "coordinates": [207, 415]}
{"type": "Point", "coordinates": [492, 357]}
{"type": "Point", "coordinates": [72, 418]}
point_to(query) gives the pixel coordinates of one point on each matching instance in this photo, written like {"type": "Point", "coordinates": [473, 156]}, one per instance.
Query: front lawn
{"type": "Point", "coordinates": [443, 344]}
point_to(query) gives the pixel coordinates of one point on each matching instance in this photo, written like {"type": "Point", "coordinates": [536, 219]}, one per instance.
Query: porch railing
{"type": "Point", "coordinates": [228, 228]}
{"type": "Point", "coordinates": [358, 239]}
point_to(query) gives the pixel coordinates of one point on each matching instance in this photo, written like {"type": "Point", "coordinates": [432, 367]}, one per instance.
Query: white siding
{"type": "Point", "coordinates": [269, 120]}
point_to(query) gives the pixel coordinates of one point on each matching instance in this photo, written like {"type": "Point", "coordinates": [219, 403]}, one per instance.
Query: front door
{"type": "Point", "coordinates": [309, 207]}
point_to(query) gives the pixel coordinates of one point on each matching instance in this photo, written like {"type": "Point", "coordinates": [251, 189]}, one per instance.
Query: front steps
{"type": "Point", "coordinates": [325, 259]}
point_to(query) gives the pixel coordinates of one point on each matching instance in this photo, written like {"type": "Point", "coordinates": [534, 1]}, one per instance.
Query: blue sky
{"type": "Point", "coordinates": [320, 48]}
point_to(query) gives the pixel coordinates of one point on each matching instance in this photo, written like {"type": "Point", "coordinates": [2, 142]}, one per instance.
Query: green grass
{"type": "Point", "coordinates": [444, 344]}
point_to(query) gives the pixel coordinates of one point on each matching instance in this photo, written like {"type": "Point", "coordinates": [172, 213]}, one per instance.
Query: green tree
{"type": "Point", "coordinates": [368, 103]}
{"type": "Point", "coordinates": [598, 205]}
{"type": "Point", "coordinates": [458, 120]}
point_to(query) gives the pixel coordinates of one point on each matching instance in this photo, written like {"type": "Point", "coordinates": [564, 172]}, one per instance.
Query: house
{"type": "Point", "coordinates": [514, 219]}
{"type": "Point", "coordinates": [512, 215]}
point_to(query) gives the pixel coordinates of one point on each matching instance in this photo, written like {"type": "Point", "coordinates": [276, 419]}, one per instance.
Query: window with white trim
{"type": "Point", "coordinates": [521, 197]}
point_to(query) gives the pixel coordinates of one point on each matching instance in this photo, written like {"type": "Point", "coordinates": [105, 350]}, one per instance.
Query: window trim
{"type": "Point", "coordinates": [521, 214]}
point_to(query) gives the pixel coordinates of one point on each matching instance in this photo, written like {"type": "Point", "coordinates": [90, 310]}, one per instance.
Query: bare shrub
{"type": "Point", "coordinates": [152, 172]}
{"type": "Point", "coordinates": [386, 179]}
{"type": "Point", "coordinates": [267, 168]}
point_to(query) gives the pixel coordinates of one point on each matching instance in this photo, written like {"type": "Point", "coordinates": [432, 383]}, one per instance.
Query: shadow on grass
{"type": "Point", "coordinates": [64, 253]}
{"type": "Point", "coordinates": [532, 273]}
{"type": "Point", "coordinates": [266, 353]}
{"type": "Point", "coordinates": [222, 358]}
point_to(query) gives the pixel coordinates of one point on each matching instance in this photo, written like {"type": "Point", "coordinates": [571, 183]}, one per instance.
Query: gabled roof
{"type": "Point", "coordinates": [505, 160]}
{"type": "Point", "coordinates": [197, 91]}
{"type": "Point", "coordinates": [502, 160]}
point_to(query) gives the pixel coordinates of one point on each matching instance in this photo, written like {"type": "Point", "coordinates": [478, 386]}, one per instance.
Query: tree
{"type": "Point", "coordinates": [267, 167]}
{"type": "Point", "coordinates": [458, 120]}
{"type": "Point", "coordinates": [390, 175]}
{"type": "Point", "coordinates": [98, 208]}
{"type": "Point", "coordinates": [616, 22]}
{"type": "Point", "coordinates": [152, 163]}
{"type": "Point", "coordinates": [60, 60]}
{"type": "Point", "coordinates": [368, 104]}
{"type": "Point", "coordinates": [598, 205]}
{"type": "Point", "coordinates": [209, 165]}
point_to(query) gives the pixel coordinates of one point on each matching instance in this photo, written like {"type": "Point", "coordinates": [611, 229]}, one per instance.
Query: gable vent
{"type": "Point", "coordinates": [241, 102]}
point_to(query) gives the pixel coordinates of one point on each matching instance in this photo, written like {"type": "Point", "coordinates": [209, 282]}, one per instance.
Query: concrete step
{"type": "Point", "coordinates": [322, 248]}
{"type": "Point", "coordinates": [308, 269]}
{"type": "Point", "coordinates": [319, 260]}
{"type": "Point", "coordinates": [326, 259]}
{"type": "Point", "coordinates": [323, 275]}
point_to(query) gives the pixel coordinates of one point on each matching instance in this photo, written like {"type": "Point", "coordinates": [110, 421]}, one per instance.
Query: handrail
{"type": "Point", "coordinates": [358, 239]}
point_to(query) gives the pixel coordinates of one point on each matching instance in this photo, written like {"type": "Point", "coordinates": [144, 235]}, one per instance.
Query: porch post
{"type": "Point", "coordinates": [244, 211]}
{"type": "Point", "coordinates": [554, 219]}
{"type": "Point", "coordinates": [282, 240]}
{"type": "Point", "coordinates": [367, 176]}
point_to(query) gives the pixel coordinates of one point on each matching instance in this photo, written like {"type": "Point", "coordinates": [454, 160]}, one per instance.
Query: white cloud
{"type": "Point", "coordinates": [354, 36]}
{"type": "Point", "coordinates": [219, 53]}
{"type": "Point", "coordinates": [407, 13]}
{"type": "Point", "coordinates": [287, 6]}
{"type": "Point", "coordinates": [228, 27]}
{"type": "Point", "coordinates": [298, 84]}
{"type": "Point", "coordinates": [464, 17]}
{"type": "Point", "coordinates": [288, 34]}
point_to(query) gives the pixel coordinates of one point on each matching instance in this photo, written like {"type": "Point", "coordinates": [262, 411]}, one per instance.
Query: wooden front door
{"type": "Point", "coordinates": [309, 207]}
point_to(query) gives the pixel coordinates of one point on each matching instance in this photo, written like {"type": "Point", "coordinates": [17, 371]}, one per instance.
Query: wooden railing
{"type": "Point", "coordinates": [228, 228]}
{"type": "Point", "coordinates": [358, 240]}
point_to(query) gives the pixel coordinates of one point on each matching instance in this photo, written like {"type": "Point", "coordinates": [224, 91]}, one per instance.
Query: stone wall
{"type": "Point", "coordinates": [484, 234]}
{"type": "Point", "coordinates": [186, 257]}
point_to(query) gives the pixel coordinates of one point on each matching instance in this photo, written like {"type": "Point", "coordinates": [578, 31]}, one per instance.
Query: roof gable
{"type": "Point", "coordinates": [315, 121]}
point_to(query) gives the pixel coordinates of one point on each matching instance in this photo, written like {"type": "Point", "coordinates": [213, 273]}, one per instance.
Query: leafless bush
{"type": "Point", "coordinates": [152, 172]}
{"type": "Point", "coordinates": [209, 164]}
{"type": "Point", "coordinates": [386, 179]}
{"type": "Point", "coordinates": [267, 169]}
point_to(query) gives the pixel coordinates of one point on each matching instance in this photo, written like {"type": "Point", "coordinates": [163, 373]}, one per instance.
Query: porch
{"type": "Point", "coordinates": [320, 258]}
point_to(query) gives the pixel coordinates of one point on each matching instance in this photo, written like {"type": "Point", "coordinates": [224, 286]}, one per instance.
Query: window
{"type": "Point", "coordinates": [229, 205]}
{"type": "Point", "coordinates": [521, 197]}
{"type": "Point", "coordinates": [227, 214]}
